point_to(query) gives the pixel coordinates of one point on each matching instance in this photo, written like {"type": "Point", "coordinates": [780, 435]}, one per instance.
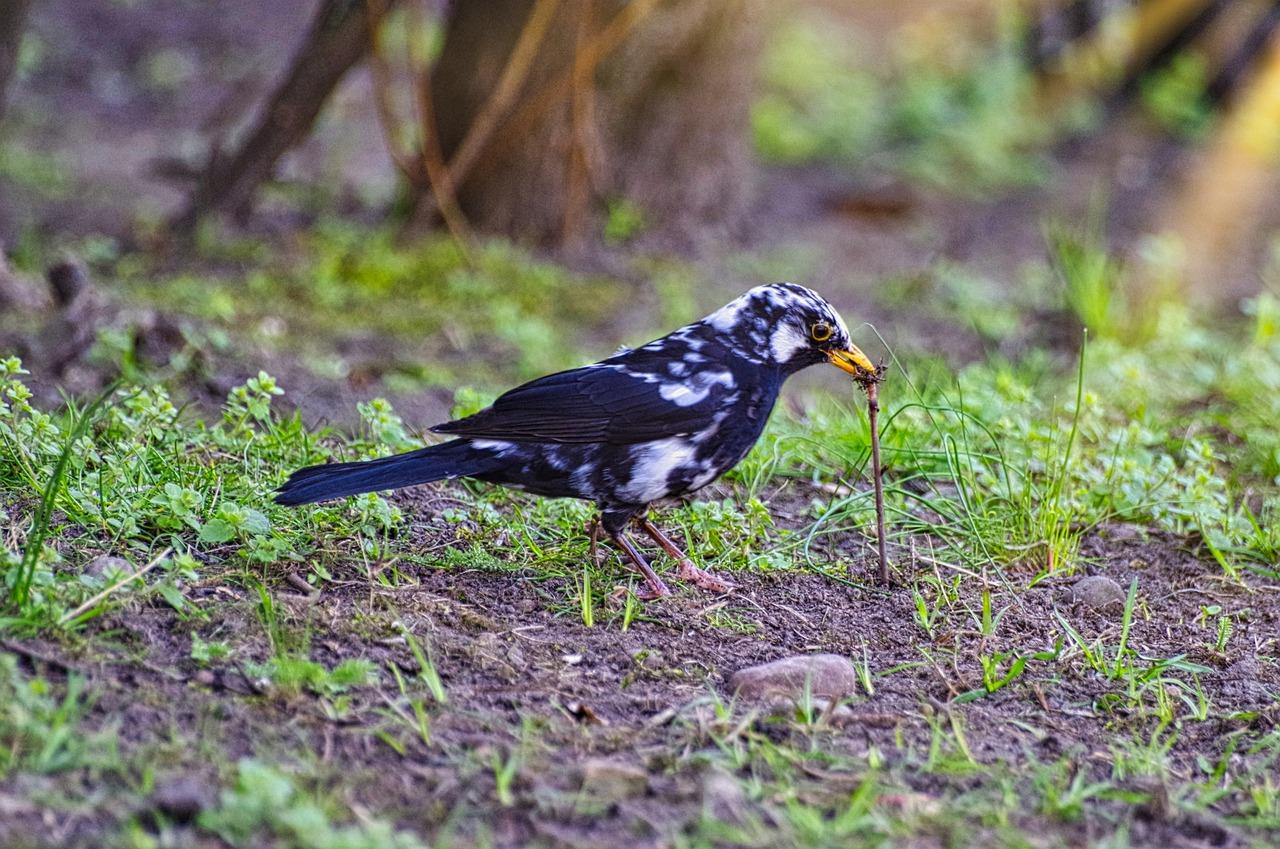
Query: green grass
{"type": "Point", "coordinates": [427, 313]}
{"type": "Point", "coordinates": [948, 113]}
{"type": "Point", "coordinates": [996, 473]}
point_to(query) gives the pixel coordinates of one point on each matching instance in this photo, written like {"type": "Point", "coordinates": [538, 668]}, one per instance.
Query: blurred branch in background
{"type": "Point", "coordinates": [651, 97]}
{"type": "Point", "coordinates": [1207, 71]}
{"type": "Point", "coordinates": [338, 38]}
{"type": "Point", "coordinates": [536, 114]}
{"type": "Point", "coordinates": [13, 22]}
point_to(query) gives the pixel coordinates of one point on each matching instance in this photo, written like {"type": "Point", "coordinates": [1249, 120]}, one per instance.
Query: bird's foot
{"type": "Point", "coordinates": [704, 579]}
{"type": "Point", "coordinates": [689, 571]}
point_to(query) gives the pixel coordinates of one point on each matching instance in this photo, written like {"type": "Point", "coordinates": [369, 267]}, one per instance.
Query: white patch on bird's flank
{"type": "Point", "coordinates": [652, 470]}
{"type": "Point", "coordinates": [707, 433]}
{"type": "Point", "coordinates": [703, 479]}
{"type": "Point", "coordinates": [497, 445]}
{"type": "Point", "coordinates": [696, 388]}
{"type": "Point", "coordinates": [786, 341]}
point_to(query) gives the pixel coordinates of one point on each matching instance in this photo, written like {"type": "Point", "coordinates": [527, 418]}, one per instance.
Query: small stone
{"type": "Point", "coordinates": [723, 798]}
{"type": "Point", "coordinates": [613, 781]}
{"type": "Point", "coordinates": [1100, 593]}
{"type": "Point", "coordinates": [822, 676]}
{"type": "Point", "coordinates": [571, 659]}
{"type": "Point", "coordinates": [106, 564]}
{"type": "Point", "coordinates": [182, 799]}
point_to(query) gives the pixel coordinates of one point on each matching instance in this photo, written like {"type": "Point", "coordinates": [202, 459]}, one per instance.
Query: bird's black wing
{"type": "Point", "coordinates": [619, 401]}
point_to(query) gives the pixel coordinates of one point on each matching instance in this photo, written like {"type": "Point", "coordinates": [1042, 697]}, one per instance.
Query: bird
{"type": "Point", "coordinates": [655, 422]}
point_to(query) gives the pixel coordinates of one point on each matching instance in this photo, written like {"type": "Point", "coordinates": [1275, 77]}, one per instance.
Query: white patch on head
{"type": "Point", "coordinates": [649, 475]}
{"type": "Point", "coordinates": [728, 316]}
{"type": "Point", "coordinates": [786, 341]}
{"type": "Point", "coordinates": [696, 388]}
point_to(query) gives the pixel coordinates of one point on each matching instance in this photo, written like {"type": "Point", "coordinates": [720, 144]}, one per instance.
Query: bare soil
{"type": "Point", "coordinates": [642, 696]}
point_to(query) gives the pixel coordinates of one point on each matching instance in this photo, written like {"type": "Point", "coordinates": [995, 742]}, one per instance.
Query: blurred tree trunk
{"type": "Point", "coordinates": [13, 22]}
{"type": "Point", "coordinates": [659, 119]}
{"type": "Point", "coordinates": [338, 38]}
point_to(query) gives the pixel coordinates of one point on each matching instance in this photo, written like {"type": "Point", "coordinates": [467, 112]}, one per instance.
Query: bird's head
{"type": "Point", "coordinates": [790, 326]}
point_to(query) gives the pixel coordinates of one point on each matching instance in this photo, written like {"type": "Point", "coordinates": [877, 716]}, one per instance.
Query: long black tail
{"type": "Point", "coordinates": [453, 459]}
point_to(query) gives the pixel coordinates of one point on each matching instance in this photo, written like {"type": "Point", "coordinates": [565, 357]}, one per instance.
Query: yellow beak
{"type": "Point", "coordinates": [853, 361]}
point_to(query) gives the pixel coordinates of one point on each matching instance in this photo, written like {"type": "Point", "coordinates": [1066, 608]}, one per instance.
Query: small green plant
{"type": "Point", "coordinates": [624, 220]}
{"type": "Point", "coordinates": [41, 732]}
{"type": "Point", "coordinates": [265, 806]}
{"type": "Point", "coordinates": [1090, 277]}
{"type": "Point", "coordinates": [427, 672]}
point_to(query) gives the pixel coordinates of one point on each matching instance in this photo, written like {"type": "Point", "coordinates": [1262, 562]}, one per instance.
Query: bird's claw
{"type": "Point", "coordinates": [704, 579]}
{"type": "Point", "coordinates": [645, 593]}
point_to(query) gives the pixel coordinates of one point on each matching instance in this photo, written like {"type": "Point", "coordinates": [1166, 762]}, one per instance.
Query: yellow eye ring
{"type": "Point", "coordinates": [821, 331]}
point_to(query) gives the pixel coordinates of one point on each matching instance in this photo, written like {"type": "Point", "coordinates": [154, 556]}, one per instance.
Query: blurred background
{"type": "Point", "coordinates": [401, 198]}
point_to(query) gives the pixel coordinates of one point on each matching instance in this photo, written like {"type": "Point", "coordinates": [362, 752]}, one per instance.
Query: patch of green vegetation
{"type": "Point", "coordinates": [971, 127]}
{"type": "Point", "coordinates": [624, 220]}
{"type": "Point", "coordinates": [37, 171]}
{"type": "Point", "coordinates": [265, 804]}
{"type": "Point", "coordinates": [494, 310]}
{"type": "Point", "coordinates": [40, 731]}
{"type": "Point", "coordinates": [1175, 96]}
{"type": "Point", "coordinates": [1009, 463]}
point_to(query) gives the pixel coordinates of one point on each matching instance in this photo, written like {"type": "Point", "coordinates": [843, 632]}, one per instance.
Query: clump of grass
{"type": "Point", "coordinates": [42, 732]}
{"type": "Point", "coordinates": [452, 318]}
{"type": "Point", "coordinates": [265, 804]}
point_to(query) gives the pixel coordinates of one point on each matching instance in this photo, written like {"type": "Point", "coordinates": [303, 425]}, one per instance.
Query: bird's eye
{"type": "Point", "coordinates": [821, 331]}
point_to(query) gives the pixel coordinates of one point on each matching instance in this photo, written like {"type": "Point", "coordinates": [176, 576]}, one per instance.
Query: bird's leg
{"type": "Point", "coordinates": [657, 589]}
{"type": "Point", "coordinates": [594, 551]}
{"type": "Point", "coordinates": [689, 571]}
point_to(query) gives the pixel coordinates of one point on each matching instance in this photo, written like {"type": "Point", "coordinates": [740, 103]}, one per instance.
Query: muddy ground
{"type": "Point", "coordinates": [621, 739]}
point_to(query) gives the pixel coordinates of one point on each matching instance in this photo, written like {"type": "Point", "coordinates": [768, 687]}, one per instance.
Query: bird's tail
{"type": "Point", "coordinates": [456, 458]}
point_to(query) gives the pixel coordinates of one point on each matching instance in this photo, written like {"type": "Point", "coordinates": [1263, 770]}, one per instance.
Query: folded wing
{"type": "Point", "coordinates": [612, 402]}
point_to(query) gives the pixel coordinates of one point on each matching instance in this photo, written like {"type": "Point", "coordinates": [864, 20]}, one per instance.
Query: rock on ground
{"type": "Point", "coordinates": [827, 676]}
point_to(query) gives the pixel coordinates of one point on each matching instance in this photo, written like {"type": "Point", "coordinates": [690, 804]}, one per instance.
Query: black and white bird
{"type": "Point", "coordinates": [658, 421]}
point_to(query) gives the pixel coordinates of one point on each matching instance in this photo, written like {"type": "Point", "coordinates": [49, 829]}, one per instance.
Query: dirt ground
{"type": "Point", "coordinates": [640, 700]}
{"type": "Point", "coordinates": [511, 653]}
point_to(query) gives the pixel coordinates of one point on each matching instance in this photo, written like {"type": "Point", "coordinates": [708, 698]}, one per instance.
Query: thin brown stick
{"type": "Point", "coordinates": [442, 180]}
{"type": "Point", "coordinates": [577, 193]}
{"type": "Point", "coordinates": [514, 74]}
{"type": "Point", "coordinates": [872, 388]}
{"type": "Point", "coordinates": [516, 130]}
{"type": "Point", "coordinates": [381, 77]}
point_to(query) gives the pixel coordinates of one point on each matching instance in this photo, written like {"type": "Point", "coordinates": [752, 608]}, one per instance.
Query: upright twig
{"type": "Point", "coordinates": [442, 181]}
{"type": "Point", "coordinates": [873, 413]}
{"type": "Point", "coordinates": [513, 77]}
{"type": "Point", "coordinates": [870, 383]}
{"type": "Point", "coordinates": [380, 72]}
{"type": "Point", "coordinates": [582, 105]}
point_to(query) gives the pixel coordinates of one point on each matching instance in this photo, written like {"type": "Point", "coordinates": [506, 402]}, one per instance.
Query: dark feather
{"type": "Point", "coordinates": [592, 404]}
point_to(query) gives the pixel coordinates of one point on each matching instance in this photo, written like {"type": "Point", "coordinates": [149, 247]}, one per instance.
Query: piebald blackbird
{"type": "Point", "coordinates": [661, 420]}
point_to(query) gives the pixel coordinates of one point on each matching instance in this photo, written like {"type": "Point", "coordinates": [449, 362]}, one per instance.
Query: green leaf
{"type": "Point", "coordinates": [216, 531]}
{"type": "Point", "coordinates": [256, 522]}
